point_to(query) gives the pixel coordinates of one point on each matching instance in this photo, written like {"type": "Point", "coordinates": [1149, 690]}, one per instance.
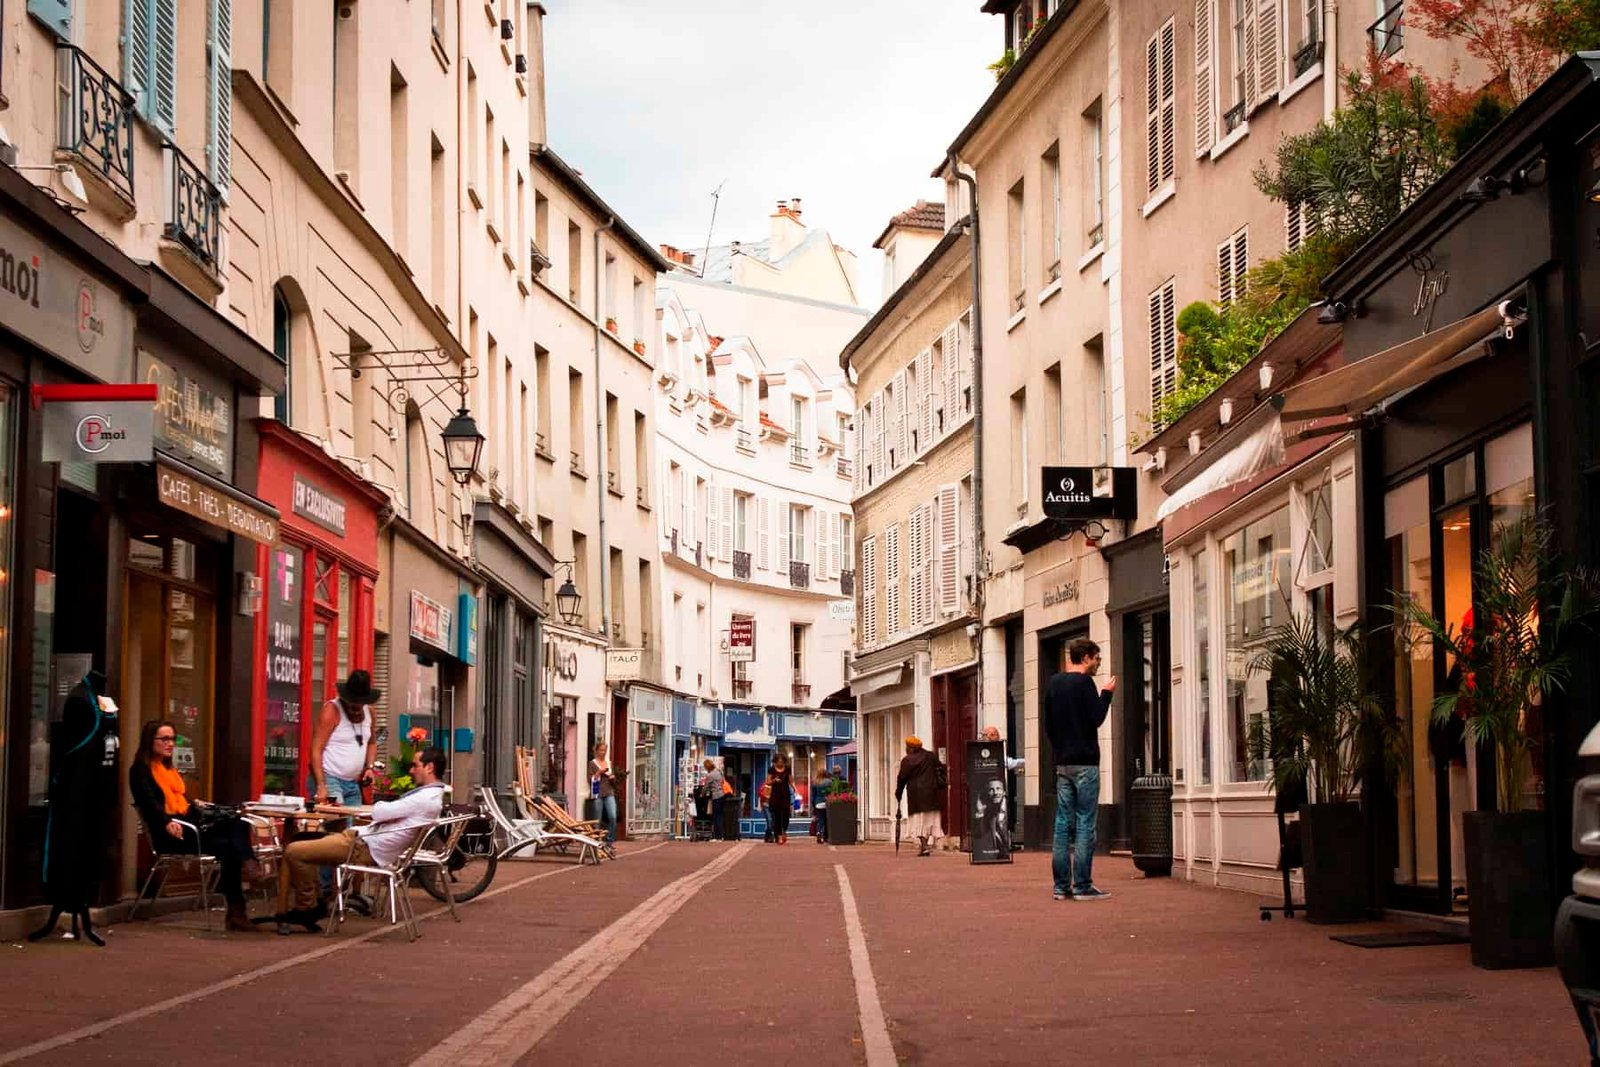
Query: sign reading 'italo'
{"type": "Point", "coordinates": [1082, 493]}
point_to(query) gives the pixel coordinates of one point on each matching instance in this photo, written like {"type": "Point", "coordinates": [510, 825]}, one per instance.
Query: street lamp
{"type": "Point", "coordinates": [463, 444]}
{"type": "Point", "coordinates": [568, 600]}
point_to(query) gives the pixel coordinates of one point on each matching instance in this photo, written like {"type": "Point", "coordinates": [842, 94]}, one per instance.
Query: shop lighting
{"type": "Point", "coordinates": [463, 444]}
{"type": "Point", "coordinates": [568, 600]}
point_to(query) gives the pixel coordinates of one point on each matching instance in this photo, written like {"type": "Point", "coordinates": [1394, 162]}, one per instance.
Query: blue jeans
{"type": "Point", "coordinates": [346, 791]}
{"type": "Point", "coordinates": [1077, 807]}
{"type": "Point", "coordinates": [605, 809]}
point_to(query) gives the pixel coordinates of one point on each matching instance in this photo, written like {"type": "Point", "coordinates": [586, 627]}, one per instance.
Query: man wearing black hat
{"type": "Point", "coordinates": [343, 745]}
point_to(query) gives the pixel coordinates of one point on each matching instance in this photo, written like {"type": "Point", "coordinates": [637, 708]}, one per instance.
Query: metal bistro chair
{"type": "Point", "coordinates": [163, 861]}
{"type": "Point", "coordinates": [268, 848]}
{"type": "Point", "coordinates": [395, 877]}
{"type": "Point", "coordinates": [531, 833]}
{"type": "Point", "coordinates": [432, 858]}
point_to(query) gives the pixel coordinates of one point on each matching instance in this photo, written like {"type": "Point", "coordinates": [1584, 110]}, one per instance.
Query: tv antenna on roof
{"type": "Point", "coordinates": [716, 198]}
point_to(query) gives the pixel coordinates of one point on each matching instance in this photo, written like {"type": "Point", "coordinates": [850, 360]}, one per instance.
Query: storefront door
{"type": "Point", "coordinates": [955, 722]}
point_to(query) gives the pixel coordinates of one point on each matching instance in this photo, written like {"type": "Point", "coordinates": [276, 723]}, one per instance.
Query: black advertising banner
{"type": "Point", "coordinates": [1083, 493]}
{"type": "Point", "coordinates": [991, 811]}
{"type": "Point", "coordinates": [284, 644]}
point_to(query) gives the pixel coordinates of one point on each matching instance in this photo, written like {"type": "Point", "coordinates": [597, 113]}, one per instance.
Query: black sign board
{"type": "Point", "coordinates": [284, 648]}
{"type": "Point", "coordinates": [991, 807]}
{"type": "Point", "coordinates": [1082, 493]}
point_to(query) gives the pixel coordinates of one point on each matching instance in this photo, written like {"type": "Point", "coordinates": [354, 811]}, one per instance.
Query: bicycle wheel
{"type": "Point", "coordinates": [471, 868]}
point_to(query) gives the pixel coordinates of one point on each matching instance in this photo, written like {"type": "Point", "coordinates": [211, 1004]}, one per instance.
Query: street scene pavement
{"type": "Point", "coordinates": [693, 953]}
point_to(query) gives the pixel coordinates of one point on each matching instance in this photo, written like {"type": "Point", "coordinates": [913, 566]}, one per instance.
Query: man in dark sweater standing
{"type": "Point", "coordinates": [1074, 709]}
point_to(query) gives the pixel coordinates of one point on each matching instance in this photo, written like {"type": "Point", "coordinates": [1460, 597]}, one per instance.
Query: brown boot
{"type": "Point", "coordinates": [238, 920]}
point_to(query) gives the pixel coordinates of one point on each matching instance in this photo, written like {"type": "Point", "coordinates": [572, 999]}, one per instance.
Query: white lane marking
{"type": "Point", "coordinates": [161, 1007]}
{"type": "Point", "coordinates": [874, 1029]}
{"type": "Point", "coordinates": [510, 1029]}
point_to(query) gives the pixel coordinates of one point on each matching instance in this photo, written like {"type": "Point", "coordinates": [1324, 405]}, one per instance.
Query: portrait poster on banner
{"type": "Point", "coordinates": [991, 806]}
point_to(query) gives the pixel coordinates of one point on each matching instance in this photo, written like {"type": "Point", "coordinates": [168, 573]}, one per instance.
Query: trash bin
{"type": "Point", "coordinates": [732, 805]}
{"type": "Point", "coordinates": [1150, 797]}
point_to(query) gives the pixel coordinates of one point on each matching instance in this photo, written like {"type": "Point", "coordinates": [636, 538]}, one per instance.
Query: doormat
{"type": "Point", "coordinates": [1402, 939]}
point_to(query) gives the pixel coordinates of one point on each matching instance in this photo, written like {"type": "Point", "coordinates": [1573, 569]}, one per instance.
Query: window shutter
{"type": "Point", "coordinates": [902, 432]}
{"type": "Point", "coordinates": [967, 554]}
{"type": "Point", "coordinates": [1163, 343]}
{"type": "Point", "coordinates": [841, 561]}
{"type": "Point", "coordinates": [1205, 120]}
{"type": "Point", "coordinates": [1252, 55]}
{"type": "Point", "coordinates": [714, 549]}
{"type": "Point", "coordinates": [1241, 261]}
{"type": "Point", "coordinates": [949, 542]}
{"type": "Point", "coordinates": [858, 432]}
{"type": "Point", "coordinates": [136, 46]}
{"type": "Point", "coordinates": [1152, 113]}
{"type": "Point", "coordinates": [964, 354]}
{"type": "Point", "coordinates": [880, 435]}
{"type": "Point", "coordinates": [929, 391]}
{"type": "Point", "coordinates": [869, 591]}
{"type": "Point", "coordinates": [952, 380]}
{"type": "Point", "coordinates": [783, 535]}
{"type": "Point", "coordinates": [1293, 231]}
{"type": "Point", "coordinates": [1169, 100]}
{"type": "Point", "coordinates": [727, 524]}
{"type": "Point", "coordinates": [824, 543]}
{"type": "Point", "coordinates": [1268, 50]}
{"type": "Point", "coordinates": [219, 93]}
{"type": "Point", "coordinates": [891, 580]}
{"type": "Point", "coordinates": [914, 567]}
{"type": "Point", "coordinates": [55, 14]}
{"type": "Point", "coordinates": [764, 533]}
{"type": "Point", "coordinates": [1225, 272]}
{"type": "Point", "coordinates": [698, 532]}
{"type": "Point", "coordinates": [164, 67]}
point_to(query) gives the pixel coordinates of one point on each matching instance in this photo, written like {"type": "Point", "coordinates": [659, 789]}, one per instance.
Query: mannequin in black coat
{"type": "Point", "coordinates": [74, 834]}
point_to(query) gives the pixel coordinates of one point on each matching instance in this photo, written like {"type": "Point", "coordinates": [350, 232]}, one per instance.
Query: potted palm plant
{"type": "Point", "coordinates": [1325, 733]}
{"type": "Point", "coordinates": [1511, 652]}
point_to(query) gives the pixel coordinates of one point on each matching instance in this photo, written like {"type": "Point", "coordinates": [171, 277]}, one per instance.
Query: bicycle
{"type": "Point", "coordinates": [472, 862]}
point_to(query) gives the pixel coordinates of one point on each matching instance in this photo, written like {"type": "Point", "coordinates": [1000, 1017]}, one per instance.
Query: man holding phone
{"type": "Point", "coordinates": [1074, 710]}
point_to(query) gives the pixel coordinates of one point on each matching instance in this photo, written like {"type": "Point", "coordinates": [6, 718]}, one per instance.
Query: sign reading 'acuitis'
{"type": "Point", "coordinates": [1081, 493]}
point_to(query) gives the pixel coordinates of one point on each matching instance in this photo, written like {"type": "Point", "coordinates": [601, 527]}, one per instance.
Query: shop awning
{"type": "Point", "coordinates": [1357, 387]}
{"type": "Point", "coordinates": [872, 681]}
{"type": "Point", "coordinates": [1260, 451]}
{"type": "Point", "coordinates": [846, 749]}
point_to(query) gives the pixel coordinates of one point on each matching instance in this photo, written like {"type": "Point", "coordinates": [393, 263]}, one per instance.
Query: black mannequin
{"type": "Point", "coordinates": [74, 845]}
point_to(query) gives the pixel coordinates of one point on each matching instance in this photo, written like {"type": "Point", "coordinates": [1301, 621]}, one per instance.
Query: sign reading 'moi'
{"type": "Point", "coordinates": [741, 639]}
{"type": "Point", "coordinates": [97, 423]}
{"type": "Point", "coordinates": [1083, 493]}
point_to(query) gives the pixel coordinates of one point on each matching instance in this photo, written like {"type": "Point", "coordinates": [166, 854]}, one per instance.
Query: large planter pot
{"type": "Point", "coordinates": [1508, 888]}
{"type": "Point", "coordinates": [1334, 843]}
{"type": "Point", "coordinates": [841, 822]}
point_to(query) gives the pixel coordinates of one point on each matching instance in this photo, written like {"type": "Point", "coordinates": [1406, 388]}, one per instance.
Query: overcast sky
{"type": "Point", "coordinates": [847, 104]}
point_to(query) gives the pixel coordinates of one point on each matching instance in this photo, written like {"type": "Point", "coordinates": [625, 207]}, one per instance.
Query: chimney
{"type": "Point", "coordinates": [786, 230]}
{"type": "Point", "coordinates": [686, 258]}
{"type": "Point", "coordinates": [794, 208]}
{"type": "Point", "coordinates": [733, 246]}
{"type": "Point", "coordinates": [671, 253]}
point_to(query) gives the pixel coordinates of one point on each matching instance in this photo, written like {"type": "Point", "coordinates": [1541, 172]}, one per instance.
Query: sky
{"type": "Point", "coordinates": [846, 104]}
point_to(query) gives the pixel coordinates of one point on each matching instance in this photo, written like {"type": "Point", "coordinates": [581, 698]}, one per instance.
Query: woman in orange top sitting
{"type": "Point", "coordinates": [158, 794]}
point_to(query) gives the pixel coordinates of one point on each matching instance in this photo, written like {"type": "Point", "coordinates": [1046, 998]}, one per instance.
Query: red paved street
{"type": "Point", "coordinates": [685, 953]}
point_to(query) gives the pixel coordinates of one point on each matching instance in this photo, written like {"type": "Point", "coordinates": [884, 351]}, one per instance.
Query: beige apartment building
{"type": "Point", "coordinates": [1114, 165]}
{"type": "Point", "coordinates": [916, 665]}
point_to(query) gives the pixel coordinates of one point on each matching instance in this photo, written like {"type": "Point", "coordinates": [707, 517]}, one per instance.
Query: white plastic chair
{"type": "Point", "coordinates": [531, 833]}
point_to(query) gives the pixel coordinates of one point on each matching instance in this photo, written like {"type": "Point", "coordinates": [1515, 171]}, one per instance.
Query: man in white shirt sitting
{"type": "Point", "coordinates": [393, 829]}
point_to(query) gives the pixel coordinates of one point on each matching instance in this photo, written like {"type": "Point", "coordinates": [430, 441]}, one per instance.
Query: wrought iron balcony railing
{"type": "Point", "coordinates": [741, 565]}
{"type": "Point", "coordinates": [799, 454]}
{"type": "Point", "coordinates": [799, 575]}
{"type": "Point", "coordinates": [1307, 55]}
{"type": "Point", "coordinates": [843, 466]}
{"type": "Point", "coordinates": [96, 118]}
{"type": "Point", "coordinates": [194, 207]}
{"type": "Point", "coordinates": [1388, 34]}
{"type": "Point", "coordinates": [743, 440]}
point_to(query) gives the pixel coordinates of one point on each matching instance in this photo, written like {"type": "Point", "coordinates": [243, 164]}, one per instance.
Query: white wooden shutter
{"type": "Point", "coordinates": [952, 377]}
{"type": "Point", "coordinates": [727, 524]}
{"type": "Point", "coordinates": [869, 592]}
{"type": "Point", "coordinates": [1152, 114]}
{"type": "Point", "coordinates": [858, 432]}
{"type": "Point", "coordinates": [1225, 272]}
{"type": "Point", "coordinates": [219, 93]}
{"type": "Point", "coordinates": [783, 536]}
{"type": "Point", "coordinates": [964, 352]}
{"type": "Point", "coordinates": [1169, 101]}
{"type": "Point", "coordinates": [1269, 51]}
{"type": "Point", "coordinates": [880, 433]}
{"type": "Point", "coordinates": [1205, 117]}
{"type": "Point", "coordinates": [824, 544]}
{"type": "Point", "coordinates": [1163, 343]}
{"type": "Point", "coordinates": [916, 564]}
{"type": "Point", "coordinates": [948, 543]}
{"type": "Point", "coordinates": [164, 67]}
{"type": "Point", "coordinates": [1252, 55]}
{"type": "Point", "coordinates": [764, 533]}
{"type": "Point", "coordinates": [892, 561]}
{"type": "Point", "coordinates": [836, 534]}
{"type": "Point", "coordinates": [927, 392]}
{"type": "Point", "coordinates": [902, 428]}
{"type": "Point", "coordinates": [714, 549]}
{"type": "Point", "coordinates": [698, 534]}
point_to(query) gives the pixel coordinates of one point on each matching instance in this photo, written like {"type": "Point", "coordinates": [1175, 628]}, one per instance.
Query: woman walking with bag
{"type": "Point", "coordinates": [779, 795]}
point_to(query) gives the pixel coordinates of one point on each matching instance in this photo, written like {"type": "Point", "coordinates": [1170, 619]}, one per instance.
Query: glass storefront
{"type": "Point", "coordinates": [647, 801]}
{"type": "Point", "coordinates": [1255, 560]}
{"type": "Point", "coordinates": [1202, 652]}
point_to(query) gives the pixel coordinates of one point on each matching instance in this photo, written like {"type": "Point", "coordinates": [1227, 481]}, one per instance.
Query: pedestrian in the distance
{"type": "Point", "coordinates": [819, 804]}
{"type": "Point", "coordinates": [779, 795]}
{"type": "Point", "coordinates": [922, 780]}
{"type": "Point", "coordinates": [603, 788]}
{"type": "Point", "coordinates": [1074, 709]}
{"type": "Point", "coordinates": [710, 792]}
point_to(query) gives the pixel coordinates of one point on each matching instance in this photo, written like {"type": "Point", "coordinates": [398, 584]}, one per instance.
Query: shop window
{"type": "Point", "coordinates": [1202, 656]}
{"type": "Point", "coordinates": [1256, 568]}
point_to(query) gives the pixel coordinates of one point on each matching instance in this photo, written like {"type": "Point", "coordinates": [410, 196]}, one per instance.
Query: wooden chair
{"type": "Point", "coordinates": [525, 833]}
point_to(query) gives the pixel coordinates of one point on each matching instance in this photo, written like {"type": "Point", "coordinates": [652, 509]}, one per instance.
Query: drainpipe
{"type": "Point", "coordinates": [1330, 59]}
{"type": "Point", "coordinates": [600, 432]}
{"type": "Point", "coordinates": [981, 563]}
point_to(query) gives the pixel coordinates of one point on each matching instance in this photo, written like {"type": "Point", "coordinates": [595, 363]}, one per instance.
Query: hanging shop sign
{"type": "Point", "coordinates": [991, 802]}
{"type": "Point", "coordinates": [188, 492]}
{"type": "Point", "coordinates": [741, 639]}
{"type": "Point", "coordinates": [841, 611]}
{"type": "Point", "coordinates": [319, 506]}
{"type": "Point", "coordinates": [1082, 493]}
{"type": "Point", "coordinates": [97, 423]}
{"type": "Point", "coordinates": [467, 632]}
{"type": "Point", "coordinates": [48, 299]}
{"type": "Point", "coordinates": [193, 413]}
{"type": "Point", "coordinates": [431, 622]}
{"type": "Point", "coordinates": [624, 664]}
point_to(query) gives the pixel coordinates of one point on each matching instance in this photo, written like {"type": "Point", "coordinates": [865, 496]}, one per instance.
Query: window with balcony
{"type": "Point", "coordinates": [193, 208]}
{"type": "Point", "coordinates": [95, 119]}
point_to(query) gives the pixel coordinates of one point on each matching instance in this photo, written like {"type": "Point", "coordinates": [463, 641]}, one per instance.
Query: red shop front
{"type": "Point", "coordinates": [316, 619]}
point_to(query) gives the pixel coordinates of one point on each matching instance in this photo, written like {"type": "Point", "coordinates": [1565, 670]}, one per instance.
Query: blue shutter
{"type": "Point", "coordinates": [163, 111]}
{"type": "Point", "coordinates": [219, 92]}
{"type": "Point", "coordinates": [136, 52]}
{"type": "Point", "coordinates": [56, 14]}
